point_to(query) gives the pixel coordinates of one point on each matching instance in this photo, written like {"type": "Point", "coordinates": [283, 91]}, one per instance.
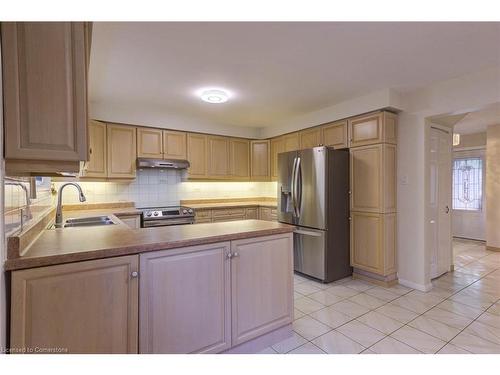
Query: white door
{"type": "Point", "coordinates": [469, 218]}
{"type": "Point", "coordinates": [440, 201]}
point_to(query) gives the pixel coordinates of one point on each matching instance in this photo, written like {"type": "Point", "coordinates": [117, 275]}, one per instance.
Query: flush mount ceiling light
{"type": "Point", "coordinates": [214, 96]}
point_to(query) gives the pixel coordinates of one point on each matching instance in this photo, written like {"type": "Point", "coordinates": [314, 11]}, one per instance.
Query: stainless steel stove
{"type": "Point", "coordinates": [163, 216]}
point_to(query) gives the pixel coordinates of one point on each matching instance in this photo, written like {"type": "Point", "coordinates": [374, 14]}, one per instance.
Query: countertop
{"type": "Point", "coordinates": [85, 243]}
{"type": "Point", "coordinates": [232, 204]}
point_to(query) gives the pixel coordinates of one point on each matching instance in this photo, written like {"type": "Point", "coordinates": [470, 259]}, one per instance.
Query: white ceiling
{"type": "Point", "coordinates": [478, 121]}
{"type": "Point", "coordinates": [277, 71]}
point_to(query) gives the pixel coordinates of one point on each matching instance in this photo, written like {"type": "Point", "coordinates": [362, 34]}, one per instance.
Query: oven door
{"type": "Point", "coordinates": [167, 222]}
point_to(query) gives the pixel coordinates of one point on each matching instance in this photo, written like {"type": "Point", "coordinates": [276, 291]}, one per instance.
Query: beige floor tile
{"type": "Point", "coordinates": [297, 295]}
{"type": "Point", "coordinates": [366, 300]}
{"type": "Point", "coordinates": [361, 333]}
{"type": "Point", "coordinates": [383, 294]}
{"type": "Point", "coordinates": [307, 305]}
{"type": "Point", "coordinates": [452, 349]}
{"type": "Point", "coordinates": [475, 344]}
{"type": "Point", "coordinates": [460, 309]}
{"type": "Point", "coordinates": [484, 331]}
{"type": "Point", "coordinates": [495, 309]}
{"type": "Point", "coordinates": [325, 298]}
{"type": "Point", "coordinates": [267, 350]}
{"type": "Point", "coordinates": [396, 312]}
{"type": "Point", "coordinates": [321, 286]}
{"type": "Point", "coordinates": [441, 292]}
{"type": "Point", "coordinates": [490, 319]}
{"type": "Point", "coordinates": [390, 345]}
{"type": "Point", "coordinates": [309, 328]}
{"type": "Point", "coordinates": [308, 348]}
{"type": "Point", "coordinates": [367, 351]}
{"type": "Point", "coordinates": [306, 288]}
{"type": "Point", "coordinates": [434, 328]}
{"type": "Point", "coordinates": [336, 343]}
{"type": "Point", "coordinates": [398, 289]}
{"type": "Point", "coordinates": [474, 298]}
{"type": "Point", "coordinates": [297, 314]}
{"type": "Point", "coordinates": [418, 340]}
{"type": "Point", "coordinates": [380, 322]}
{"type": "Point", "coordinates": [331, 317]}
{"type": "Point", "coordinates": [350, 308]}
{"type": "Point", "coordinates": [413, 304]}
{"type": "Point", "coordinates": [426, 297]}
{"type": "Point", "coordinates": [299, 278]}
{"type": "Point", "coordinates": [448, 318]}
{"type": "Point", "coordinates": [342, 291]}
{"type": "Point", "coordinates": [289, 344]}
{"type": "Point", "coordinates": [358, 285]}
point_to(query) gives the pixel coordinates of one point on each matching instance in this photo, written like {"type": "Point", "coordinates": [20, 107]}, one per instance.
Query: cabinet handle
{"type": "Point", "coordinates": [229, 255]}
{"type": "Point", "coordinates": [134, 274]}
{"type": "Point", "coordinates": [235, 255]}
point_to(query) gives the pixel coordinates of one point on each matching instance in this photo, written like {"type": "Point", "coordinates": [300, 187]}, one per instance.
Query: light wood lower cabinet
{"type": "Point", "coordinates": [121, 148]}
{"type": "Point", "coordinates": [268, 213]}
{"type": "Point", "coordinates": [373, 242]}
{"type": "Point", "coordinates": [251, 213]}
{"type": "Point", "coordinates": [185, 300]}
{"type": "Point", "coordinates": [85, 307]}
{"type": "Point", "coordinates": [261, 286]}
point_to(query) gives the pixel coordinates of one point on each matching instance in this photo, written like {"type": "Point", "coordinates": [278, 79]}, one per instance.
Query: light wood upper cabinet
{"type": "Point", "coordinates": [197, 155]}
{"type": "Point", "coordinates": [97, 164]}
{"type": "Point", "coordinates": [373, 178]}
{"type": "Point", "coordinates": [185, 300]}
{"type": "Point", "coordinates": [277, 147]}
{"type": "Point", "coordinates": [310, 138]}
{"type": "Point", "coordinates": [86, 307]}
{"type": "Point", "coordinates": [291, 141]}
{"type": "Point", "coordinates": [174, 145]}
{"type": "Point", "coordinates": [149, 143]}
{"type": "Point", "coordinates": [45, 90]}
{"type": "Point", "coordinates": [373, 128]}
{"type": "Point", "coordinates": [121, 148]}
{"type": "Point", "coordinates": [239, 158]}
{"type": "Point", "coordinates": [373, 242]}
{"type": "Point", "coordinates": [335, 134]}
{"type": "Point", "coordinates": [261, 285]}
{"type": "Point", "coordinates": [260, 160]}
{"type": "Point", "coordinates": [218, 157]}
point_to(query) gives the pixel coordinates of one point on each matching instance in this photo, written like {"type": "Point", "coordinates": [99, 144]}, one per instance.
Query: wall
{"type": "Point", "coordinates": [493, 187]}
{"type": "Point", "coordinates": [471, 140]}
{"type": "Point", "coordinates": [3, 253]}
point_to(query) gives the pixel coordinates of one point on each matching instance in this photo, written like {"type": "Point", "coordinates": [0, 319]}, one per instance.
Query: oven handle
{"type": "Point", "coordinates": [160, 223]}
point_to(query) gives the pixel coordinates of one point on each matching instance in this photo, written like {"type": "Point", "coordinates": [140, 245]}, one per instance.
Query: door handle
{"type": "Point", "coordinates": [307, 233]}
{"type": "Point", "coordinates": [298, 200]}
{"type": "Point", "coordinates": [447, 209]}
{"type": "Point", "coordinates": [293, 186]}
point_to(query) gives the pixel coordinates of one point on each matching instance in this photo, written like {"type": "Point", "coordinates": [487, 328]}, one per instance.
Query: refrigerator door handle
{"type": "Point", "coordinates": [293, 187]}
{"type": "Point", "coordinates": [307, 233]}
{"type": "Point", "coordinates": [298, 187]}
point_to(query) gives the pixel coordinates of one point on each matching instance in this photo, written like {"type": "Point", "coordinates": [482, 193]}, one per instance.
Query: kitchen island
{"type": "Point", "coordinates": [202, 288]}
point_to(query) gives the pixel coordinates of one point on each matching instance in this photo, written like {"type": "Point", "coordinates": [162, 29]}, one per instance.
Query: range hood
{"type": "Point", "coordinates": [162, 163]}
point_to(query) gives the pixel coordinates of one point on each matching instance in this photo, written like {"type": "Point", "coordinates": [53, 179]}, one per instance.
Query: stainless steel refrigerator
{"type": "Point", "coordinates": [313, 195]}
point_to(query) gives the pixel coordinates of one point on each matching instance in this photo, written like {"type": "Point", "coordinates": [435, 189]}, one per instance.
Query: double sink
{"type": "Point", "coordinates": [93, 221]}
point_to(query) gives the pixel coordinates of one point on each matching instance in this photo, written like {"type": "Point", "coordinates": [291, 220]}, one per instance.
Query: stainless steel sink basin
{"type": "Point", "coordinates": [93, 221]}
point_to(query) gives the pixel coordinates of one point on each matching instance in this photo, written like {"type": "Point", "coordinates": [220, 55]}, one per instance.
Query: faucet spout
{"type": "Point", "coordinates": [59, 215]}
{"type": "Point", "coordinates": [27, 215]}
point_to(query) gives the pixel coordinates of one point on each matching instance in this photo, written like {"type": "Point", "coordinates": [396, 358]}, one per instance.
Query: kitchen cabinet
{"type": "Point", "coordinates": [335, 134]}
{"type": "Point", "coordinates": [149, 143]}
{"type": "Point", "coordinates": [373, 178]}
{"type": "Point", "coordinates": [239, 158]}
{"type": "Point", "coordinates": [85, 307]}
{"type": "Point", "coordinates": [218, 157]}
{"type": "Point", "coordinates": [121, 149]}
{"type": "Point", "coordinates": [45, 68]}
{"type": "Point", "coordinates": [174, 145]}
{"type": "Point", "coordinates": [310, 138]}
{"type": "Point", "coordinates": [261, 286]}
{"type": "Point", "coordinates": [197, 155]}
{"type": "Point", "coordinates": [251, 213]}
{"type": "Point", "coordinates": [373, 242]}
{"type": "Point", "coordinates": [268, 213]}
{"type": "Point", "coordinates": [185, 300]}
{"type": "Point", "coordinates": [202, 216]}
{"type": "Point", "coordinates": [228, 214]}
{"type": "Point", "coordinates": [284, 143]}
{"type": "Point", "coordinates": [260, 160]}
{"type": "Point", "coordinates": [96, 166]}
{"type": "Point", "coordinates": [379, 127]}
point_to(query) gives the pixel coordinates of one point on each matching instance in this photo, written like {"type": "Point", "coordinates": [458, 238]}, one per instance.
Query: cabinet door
{"type": "Point", "coordinates": [174, 145]}
{"type": "Point", "coordinates": [218, 157]}
{"type": "Point", "coordinates": [265, 213]}
{"type": "Point", "coordinates": [260, 160]}
{"type": "Point", "coordinates": [277, 147]}
{"type": "Point", "coordinates": [373, 242]}
{"type": "Point", "coordinates": [149, 143]}
{"type": "Point", "coordinates": [197, 155]}
{"type": "Point", "coordinates": [373, 128]}
{"type": "Point", "coordinates": [261, 285]}
{"type": "Point", "coordinates": [240, 159]}
{"type": "Point", "coordinates": [335, 134]}
{"type": "Point", "coordinates": [97, 164]}
{"type": "Point", "coordinates": [85, 307]}
{"type": "Point", "coordinates": [252, 213]}
{"type": "Point", "coordinates": [291, 142]}
{"type": "Point", "coordinates": [121, 151]}
{"type": "Point", "coordinates": [45, 90]}
{"type": "Point", "coordinates": [185, 300]}
{"type": "Point", "coordinates": [310, 138]}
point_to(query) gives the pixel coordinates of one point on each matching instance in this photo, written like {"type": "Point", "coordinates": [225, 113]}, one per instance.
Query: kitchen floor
{"type": "Point", "coordinates": [460, 315]}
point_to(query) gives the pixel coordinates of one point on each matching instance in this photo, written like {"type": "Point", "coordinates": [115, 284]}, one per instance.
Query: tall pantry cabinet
{"type": "Point", "coordinates": [372, 140]}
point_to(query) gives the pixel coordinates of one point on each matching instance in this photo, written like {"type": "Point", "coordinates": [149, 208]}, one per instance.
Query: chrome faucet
{"type": "Point", "coordinates": [59, 216]}
{"type": "Point", "coordinates": [25, 215]}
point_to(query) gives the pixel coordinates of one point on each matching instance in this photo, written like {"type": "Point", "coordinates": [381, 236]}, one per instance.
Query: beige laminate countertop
{"type": "Point", "coordinates": [232, 204]}
{"type": "Point", "coordinates": [86, 243]}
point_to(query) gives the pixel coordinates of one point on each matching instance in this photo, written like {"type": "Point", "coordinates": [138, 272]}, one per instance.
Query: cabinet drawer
{"type": "Point", "coordinates": [203, 214]}
{"type": "Point", "coordinates": [228, 212]}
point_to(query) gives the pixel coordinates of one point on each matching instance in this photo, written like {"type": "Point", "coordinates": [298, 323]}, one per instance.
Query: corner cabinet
{"type": "Point", "coordinates": [121, 151]}
{"type": "Point", "coordinates": [84, 307]}
{"type": "Point", "coordinates": [45, 95]}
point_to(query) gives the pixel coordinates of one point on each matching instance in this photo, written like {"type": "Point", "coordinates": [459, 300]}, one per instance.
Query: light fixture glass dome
{"type": "Point", "coordinates": [214, 96]}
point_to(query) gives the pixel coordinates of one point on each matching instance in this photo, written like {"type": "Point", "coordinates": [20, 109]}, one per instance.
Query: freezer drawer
{"type": "Point", "coordinates": [309, 252]}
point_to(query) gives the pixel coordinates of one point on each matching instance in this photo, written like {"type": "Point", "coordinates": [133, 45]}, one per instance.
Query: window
{"type": "Point", "coordinates": [468, 184]}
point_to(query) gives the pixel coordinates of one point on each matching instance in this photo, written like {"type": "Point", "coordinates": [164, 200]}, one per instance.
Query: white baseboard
{"type": "Point", "coordinates": [411, 284]}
